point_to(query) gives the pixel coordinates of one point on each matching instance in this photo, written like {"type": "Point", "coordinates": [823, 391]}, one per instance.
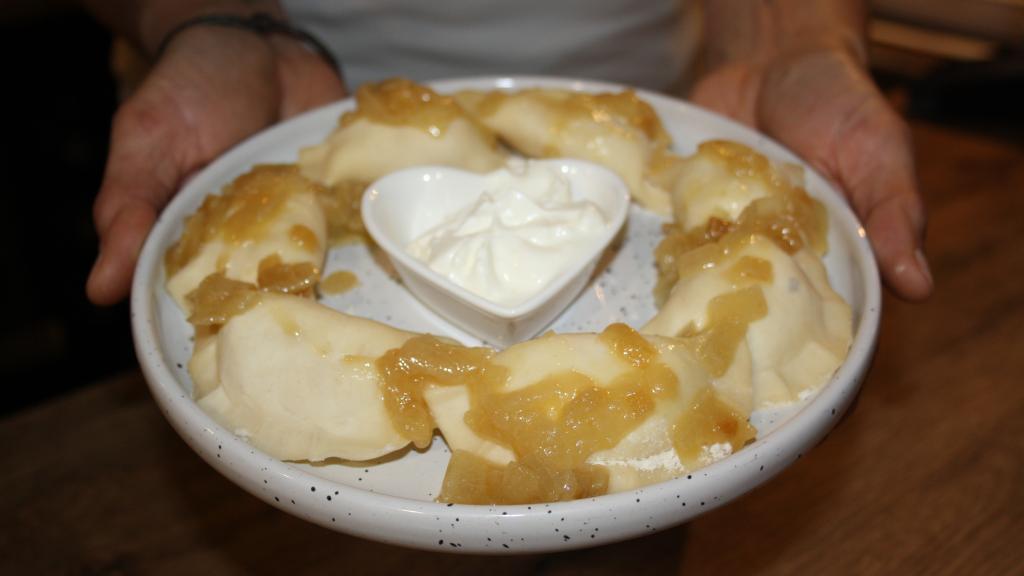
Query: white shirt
{"type": "Point", "coordinates": [646, 43]}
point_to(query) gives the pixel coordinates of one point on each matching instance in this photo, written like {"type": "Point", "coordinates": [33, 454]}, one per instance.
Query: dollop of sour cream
{"type": "Point", "coordinates": [522, 232]}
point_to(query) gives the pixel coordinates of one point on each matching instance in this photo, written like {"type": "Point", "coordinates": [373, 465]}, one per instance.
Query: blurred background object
{"type": "Point", "coordinates": [952, 62]}
{"type": "Point", "coordinates": [955, 62]}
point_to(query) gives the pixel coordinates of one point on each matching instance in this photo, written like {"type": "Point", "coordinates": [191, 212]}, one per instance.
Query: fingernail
{"type": "Point", "coordinates": [922, 265]}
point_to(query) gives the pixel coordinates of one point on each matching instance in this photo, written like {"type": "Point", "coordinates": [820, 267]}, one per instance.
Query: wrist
{"type": "Point", "coordinates": [743, 33]}
{"type": "Point", "coordinates": [158, 19]}
{"type": "Point", "coordinates": [261, 24]}
{"type": "Point", "coordinates": [846, 43]}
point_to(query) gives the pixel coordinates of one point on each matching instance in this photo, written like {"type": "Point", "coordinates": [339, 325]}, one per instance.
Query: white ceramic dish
{"type": "Point", "coordinates": [401, 206]}
{"type": "Point", "coordinates": [393, 501]}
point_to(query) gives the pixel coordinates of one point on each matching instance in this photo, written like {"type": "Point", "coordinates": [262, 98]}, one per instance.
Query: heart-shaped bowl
{"type": "Point", "coordinates": [404, 205]}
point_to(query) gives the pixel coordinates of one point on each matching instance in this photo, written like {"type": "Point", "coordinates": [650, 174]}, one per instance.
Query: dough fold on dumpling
{"type": "Point", "coordinates": [398, 124]}
{"type": "Point", "coordinates": [645, 455]}
{"type": "Point", "coordinates": [298, 380]}
{"type": "Point", "coordinates": [798, 344]}
{"type": "Point", "coordinates": [619, 131]}
{"type": "Point", "coordinates": [722, 178]}
{"type": "Point", "coordinates": [649, 454]}
{"type": "Point", "coordinates": [270, 211]}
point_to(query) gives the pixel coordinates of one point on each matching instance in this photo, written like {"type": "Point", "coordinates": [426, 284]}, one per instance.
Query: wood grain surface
{"type": "Point", "coordinates": [924, 476]}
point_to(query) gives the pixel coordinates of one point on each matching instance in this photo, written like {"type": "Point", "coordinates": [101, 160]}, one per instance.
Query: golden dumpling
{"type": "Point", "coordinates": [796, 339]}
{"type": "Point", "coordinates": [269, 217]}
{"type": "Point", "coordinates": [572, 407]}
{"type": "Point", "coordinates": [619, 131]}
{"type": "Point", "coordinates": [722, 178]}
{"type": "Point", "coordinates": [398, 124]}
{"type": "Point", "coordinates": [298, 380]}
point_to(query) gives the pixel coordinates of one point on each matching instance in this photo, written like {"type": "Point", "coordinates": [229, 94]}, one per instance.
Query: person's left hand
{"type": "Point", "coordinates": [824, 107]}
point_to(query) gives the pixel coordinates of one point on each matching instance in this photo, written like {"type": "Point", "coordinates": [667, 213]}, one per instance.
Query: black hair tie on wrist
{"type": "Point", "coordinates": [260, 23]}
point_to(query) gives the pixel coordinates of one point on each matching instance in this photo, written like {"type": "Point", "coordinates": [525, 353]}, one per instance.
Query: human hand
{"type": "Point", "coordinates": [212, 88]}
{"type": "Point", "coordinates": [823, 106]}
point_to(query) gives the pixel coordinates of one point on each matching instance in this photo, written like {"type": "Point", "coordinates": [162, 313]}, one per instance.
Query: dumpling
{"type": "Point", "coordinates": [269, 218]}
{"type": "Point", "coordinates": [398, 124]}
{"type": "Point", "coordinates": [619, 131]}
{"type": "Point", "coordinates": [299, 381]}
{"type": "Point", "coordinates": [722, 178]}
{"type": "Point", "coordinates": [577, 415]}
{"type": "Point", "coordinates": [688, 431]}
{"type": "Point", "coordinates": [741, 280]}
{"type": "Point", "coordinates": [797, 329]}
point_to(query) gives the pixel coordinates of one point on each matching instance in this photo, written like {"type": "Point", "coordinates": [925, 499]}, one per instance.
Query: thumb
{"type": "Point", "coordinates": [876, 167]}
{"type": "Point", "coordinates": [111, 275]}
{"type": "Point", "coordinates": [142, 173]}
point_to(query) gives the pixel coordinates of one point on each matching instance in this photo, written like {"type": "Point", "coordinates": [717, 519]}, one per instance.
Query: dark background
{"type": "Point", "coordinates": [58, 98]}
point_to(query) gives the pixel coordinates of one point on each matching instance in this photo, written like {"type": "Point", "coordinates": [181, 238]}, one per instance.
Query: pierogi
{"type": "Point", "coordinates": [620, 131]}
{"type": "Point", "coordinates": [298, 380]}
{"type": "Point", "coordinates": [399, 124]}
{"type": "Point", "coordinates": [722, 179]}
{"type": "Point", "coordinates": [547, 410]}
{"type": "Point", "coordinates": [799, 342]}
{"type": "Point", "coordinates": [269, 211]}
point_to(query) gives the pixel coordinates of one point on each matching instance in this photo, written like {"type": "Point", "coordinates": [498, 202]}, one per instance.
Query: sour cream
{"type": "Point", "coordinates": [516, 238]}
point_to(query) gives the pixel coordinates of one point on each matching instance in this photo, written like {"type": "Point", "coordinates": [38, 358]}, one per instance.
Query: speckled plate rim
{"type": "Point", "coordinates": [505, 529]}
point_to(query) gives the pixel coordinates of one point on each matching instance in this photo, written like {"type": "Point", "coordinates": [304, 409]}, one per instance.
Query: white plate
{"type": "Point", "coordinates": [393, 501]}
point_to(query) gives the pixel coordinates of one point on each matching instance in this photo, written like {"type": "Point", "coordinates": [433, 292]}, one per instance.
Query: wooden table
{"type": "Point", "coordinates": [926, 475]}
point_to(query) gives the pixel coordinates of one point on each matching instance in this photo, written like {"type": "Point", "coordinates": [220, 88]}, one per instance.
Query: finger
{"type": "Point", "coordinates": [876, 168]}
{"type": "Point", "coordinates": [111, 275]}
{"type": "Point", "coordinates": [142, 165]}
{"type": "Point", "coordinates": [129, 199]}
{"type": "Point", "coordinates": [142, 173]}
{"type": "Point", "coordinates": [895, 237]}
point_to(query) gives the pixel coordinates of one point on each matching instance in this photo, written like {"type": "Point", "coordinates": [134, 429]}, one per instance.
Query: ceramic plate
{"type": "Point", "coordinates": [393, 500]}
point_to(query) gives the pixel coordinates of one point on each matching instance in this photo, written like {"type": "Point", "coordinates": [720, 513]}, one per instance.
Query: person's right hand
{"type": "Point", "coordinates": [212, 87]}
